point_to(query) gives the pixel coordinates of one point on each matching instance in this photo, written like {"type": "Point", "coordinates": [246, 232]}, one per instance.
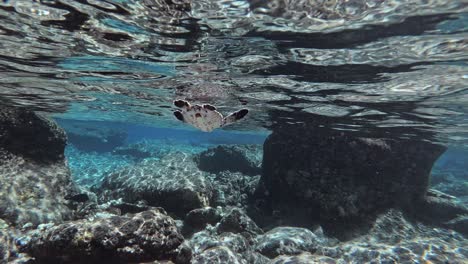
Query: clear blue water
{"type": "Point", "coordinates": [391, 67]}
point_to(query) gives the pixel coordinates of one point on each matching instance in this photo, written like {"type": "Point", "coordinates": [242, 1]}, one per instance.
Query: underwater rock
{"type": "Point", "coordinates": [237, 158]}
{"type": "Point", "coordinates": [197, 219]}
{"type": "Point", "coordinates": [450, 182]}
{"type": "Point", "coordinates": [184, 254]}
{"type": "Point", "coordinates": [210, 247]}
{"type": "Point", "coordinates": [127, 208]}
{"type": "Point", "coordinates": [233, 188]}
{"type": "Point", "coordinates": [146, 236]}
{"type": "Point", "coordinates": [8, 249]}
{"type": "Point", "coordinates": [217, 255]}
{"type": "Point", "coordinates": [206, 239]}
{"type": "Point", "coordinates": [303, 258]}
{"type": "Point", "coordinates": [441, 209]}
{"type": "Point", "coordinates": [34, 178]}
{"type": "Point", "coordinates": [236, 221]}
{"type": "Point", "coordinates": [34, 193]}
{"type": "Point", "coordinates": [289, 241]}
{"type": "Point", "coordinates": [31, 136]}
{"type": "Point", "coordinates": [334, 176]}
{"type": "Point", "coordinates": [173, 182]}
{"type": "Point", "coordinates": [459, 224]}
{"type": "Point", "coordinates": [5, 246]}
{"type": "Point", "coordinates": [395, 238]}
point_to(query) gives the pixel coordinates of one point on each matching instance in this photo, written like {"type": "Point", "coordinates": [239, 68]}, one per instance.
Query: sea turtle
{"type": "Point", "coordinates": [205, 117]}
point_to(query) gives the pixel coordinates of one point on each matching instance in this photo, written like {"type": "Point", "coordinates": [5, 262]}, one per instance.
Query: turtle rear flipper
{"type": "Point", "coordinates": [233, 117]}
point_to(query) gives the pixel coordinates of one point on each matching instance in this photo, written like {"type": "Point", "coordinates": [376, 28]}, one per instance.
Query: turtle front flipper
{"type": "Point", "coordinates": [233, 117]}
{"type": "Point", "coordinates": [178, 114]}
{"type": "Point", "coordinates": [182, 104]}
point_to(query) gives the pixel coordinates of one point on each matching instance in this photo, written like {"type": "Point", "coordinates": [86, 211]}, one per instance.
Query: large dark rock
{"type": "Point", "coordinates": [441, 209]}
{"type": "Point", "coordinates": [236, 158]}
{"type": "Point", "coordinates": [335, 176]}
{"type": "Point", "coordinates": [173, 182]}
{"type": "Point", "coordinates": [233, 188]}
{"type": "Point", "coordinates": [197, 219]}
{"type": "Point", "coordinates": [31, 136]}
{"type": "Point", "coordinates": [146, 236]}
{"type": "Point", "coordinates": [34, 178]}
{"type": "Point", "coordinates": [236, 221]}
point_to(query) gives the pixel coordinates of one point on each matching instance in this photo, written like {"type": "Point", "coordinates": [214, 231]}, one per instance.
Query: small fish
{"type": "Point", "coordinates": [205, 117]}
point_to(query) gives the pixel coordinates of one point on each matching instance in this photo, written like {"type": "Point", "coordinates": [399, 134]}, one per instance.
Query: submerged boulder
{"type": "Point", "coordinates": [236, 221]}
{"type": "Point", "coordinates": [289, 241]}
{"type": "Point", "coordinates": [218, 255]}
{"type": "Point", "coordinates": [146, 236]}
{"type": "Point", "coordinates": [34, 178]}
{"type": "Point", "coordinates": [236, 158]}
{"type": "Point", "coordinates": [335, 176]}
{"type": "Point", "coordinates": [441, 209]}
{"type": "Point", "coordinates": [174, 183]}
{"type": "Point", "coordinates": [198, 219]}
{"type": "Point", "coordinates": [233, 188]}
{"type": "Point", "coordinates": [210, 247]}
{"type": "Point", "coordinates": [31, 136]}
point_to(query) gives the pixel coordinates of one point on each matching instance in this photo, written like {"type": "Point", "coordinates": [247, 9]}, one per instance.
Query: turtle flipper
{"type": "Point", "coordinates": [233, 117]}
{"type": "Point", "coordinates": [209, 107]}
{"type": "Point", "coordinates": [178, 114]}
{"type": "Point", "coordinates": [182, 104]}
